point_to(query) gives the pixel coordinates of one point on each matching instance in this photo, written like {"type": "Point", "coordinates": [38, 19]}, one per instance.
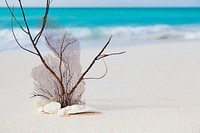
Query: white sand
{"type": "Point", "coordinates": [150, 89]}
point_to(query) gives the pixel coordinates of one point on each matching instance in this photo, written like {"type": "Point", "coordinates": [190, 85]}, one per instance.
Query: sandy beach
{"type": "Point", "coordinates": [153, 88]}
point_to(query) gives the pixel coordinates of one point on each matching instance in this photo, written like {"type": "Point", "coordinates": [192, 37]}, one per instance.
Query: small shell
{"type": "Point", "coordinates": [75, 109]}
{"type": "Point", "coordinates": [61, 112]}
{"type": "Point", "coordinates": [52, 108]}
{"type": "Point", "coordinates": [78, 109]}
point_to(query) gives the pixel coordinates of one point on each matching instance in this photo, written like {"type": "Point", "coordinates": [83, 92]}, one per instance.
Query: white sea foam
{"type": "Point", "coordinates": [137, 33]}
{"type": "Point", "coordinates": [156, 32]}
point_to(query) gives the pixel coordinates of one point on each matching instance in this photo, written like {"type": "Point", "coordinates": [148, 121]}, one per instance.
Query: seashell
{"type": "Point", "coordinates": [55, 108]}
{"type": "Point", "coordinates": [79, 109]}
{"type": "Point", "coordinates": [75, 108]}
{"type": "Point", "coordinates": [67, 108]}
{"type": "Point", "coordinates": [52, 108]}
{"type": "Point", "coordinates": [61, 112]}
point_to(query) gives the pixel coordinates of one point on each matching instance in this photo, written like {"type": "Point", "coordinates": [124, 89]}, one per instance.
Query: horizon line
{"type": "Point", "coordinates": [108, 7]}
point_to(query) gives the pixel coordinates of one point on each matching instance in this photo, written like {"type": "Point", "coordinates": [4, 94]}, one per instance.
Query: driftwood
{"type": "Point", "coordinates": [59, 78]}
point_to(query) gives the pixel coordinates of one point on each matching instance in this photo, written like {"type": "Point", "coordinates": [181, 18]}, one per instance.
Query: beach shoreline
{"type": "Point", "coordinates": [149, 89]}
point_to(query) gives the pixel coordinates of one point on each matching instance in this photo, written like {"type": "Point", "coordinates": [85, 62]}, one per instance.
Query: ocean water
{"type": "Point", "coordinates": [94, 24]}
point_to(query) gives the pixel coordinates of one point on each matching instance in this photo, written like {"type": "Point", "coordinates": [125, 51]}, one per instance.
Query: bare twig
{"type": "Point", "coordinates": [105, 55]}
{"type": "Point", "coordinates": [25, 21]}
{"type": "Point", "coordinates": [15, 37]}
{"type": "Point", "coordinates": [13, 16]}
{"type": "Point", "coordinates": [34, 94]}
{"type": "Point", "coordinates": [90, 66]}
{"type": "Point", "coordinates": [37, 37]}
{"type": "Point", "coordinates": [102, 75]}
{"type": "Point", "coordinates": [35, 40]}
{"type": "Point", "coordinates": [50, 70]}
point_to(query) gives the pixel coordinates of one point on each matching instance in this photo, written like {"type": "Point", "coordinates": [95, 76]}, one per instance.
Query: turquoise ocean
{"type": "Point", "coordinates": [125, 24]}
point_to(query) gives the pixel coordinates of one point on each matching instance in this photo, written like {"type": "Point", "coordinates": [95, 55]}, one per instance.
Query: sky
{"type": "Point", "coordinates": [107, 3]}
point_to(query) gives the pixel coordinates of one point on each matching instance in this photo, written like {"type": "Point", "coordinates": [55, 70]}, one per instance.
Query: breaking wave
{"type": "Point", "coordinates": [137, 33]}
{"type": "Point", "coordinates": [156, 32]}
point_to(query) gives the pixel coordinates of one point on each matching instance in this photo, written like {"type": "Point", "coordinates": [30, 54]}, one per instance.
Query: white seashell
{"type": "Point", "coordinates": [64, 111]}
{"type": "Point", "coordinates": [75, 108]}
{"type": "Point", "coordinates": [52, 107]}
{"type": "Point", "coordinates": [61, 112]}
{"type": "Point", "coordinates": [67, 108]}
{"type": "Point", "coordinates": [40, 103]}
{"type": "Point", "coordinates": [78, 109]}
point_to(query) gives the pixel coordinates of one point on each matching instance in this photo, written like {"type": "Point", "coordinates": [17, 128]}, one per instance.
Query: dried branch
{"type": "Point", "coordinates": [15, 37]}
{"type": "Point", "coordinates": [99, 55]}
{"type": "Point", "coordinates": [13, 16]}
{"type": "Point", "coordinates": [102, 75]}
{"type": "Point", "coordinates": [36, 38]}
{"type": "Point", "coordinates": [25, 21]}
{"type": "Point", "coordinates": [51, 71]}
{"type": "Point", "coordinates": [105, 55]}
{"type": "Point", "coordinates": [34, 94]}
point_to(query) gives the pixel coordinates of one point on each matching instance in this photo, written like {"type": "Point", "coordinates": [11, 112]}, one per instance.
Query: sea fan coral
{"type": "Point", "coordinates": [65, 63]}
